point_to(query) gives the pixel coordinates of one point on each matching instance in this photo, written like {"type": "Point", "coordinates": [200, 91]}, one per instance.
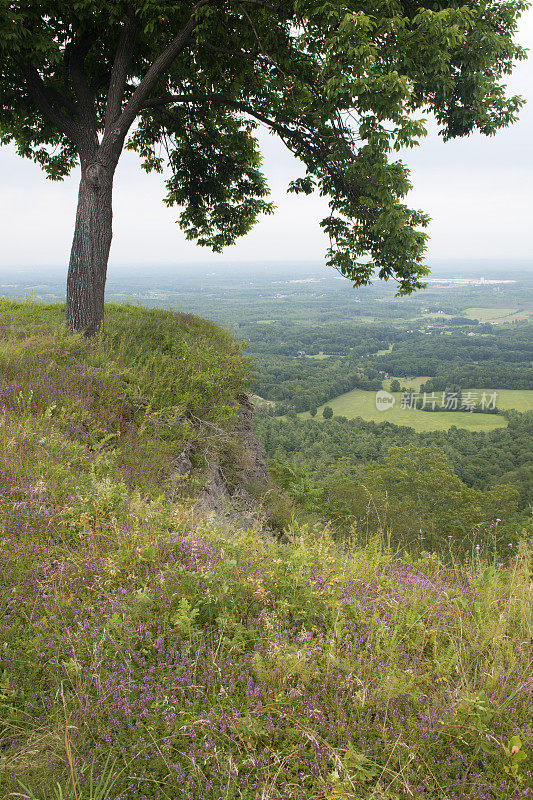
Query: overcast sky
{"type": "Point", "coordinates": [478, 191]}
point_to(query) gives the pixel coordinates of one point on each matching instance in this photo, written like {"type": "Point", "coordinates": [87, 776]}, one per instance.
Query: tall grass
{"type": "Point", "coordinates": [149, 653]}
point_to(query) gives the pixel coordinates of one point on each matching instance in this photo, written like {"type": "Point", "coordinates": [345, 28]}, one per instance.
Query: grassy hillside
{"type": "Point", "coordinates": [152, 384]}
{"type": "Point", "coordinates": [147, 653]}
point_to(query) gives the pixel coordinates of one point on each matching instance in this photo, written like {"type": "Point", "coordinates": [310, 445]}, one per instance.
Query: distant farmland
{"type": "Point", "coordinates": [499, 315]}
{"type": "Point", "coordinates": [359, 403]}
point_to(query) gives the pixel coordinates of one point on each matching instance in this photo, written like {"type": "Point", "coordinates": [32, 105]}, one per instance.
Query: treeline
{"type": "Point", "coordinates": [413, 500]}
{"type": "Point", "coordinates": [481, 376]}
{"type": "Point", "coordinates": [496, 361]}
{"type": "Point", "coordinates": [450, 399]}
{"type": "Point", "coordinates": [289, 339]}
{"type": "Point", "coordinates": [301, 384]}
{"type": "Point", "coordinates": [480, 459]}
{"type": "Point", "coordinates": [467, 322]}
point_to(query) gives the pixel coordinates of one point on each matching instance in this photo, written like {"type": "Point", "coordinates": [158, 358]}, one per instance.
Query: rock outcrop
{"type": "Point", "coordinates": [220, 496]}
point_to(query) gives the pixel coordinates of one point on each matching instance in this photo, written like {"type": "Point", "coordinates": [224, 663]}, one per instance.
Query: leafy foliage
{"type": "Point", "coordinates": [341, 83]}
{"type": "Point", "coordinates": [479, 459]}
{"type": "Point", "coordinates": [413, 499]}
{"type": "Point", "coordinates": [215, 175]}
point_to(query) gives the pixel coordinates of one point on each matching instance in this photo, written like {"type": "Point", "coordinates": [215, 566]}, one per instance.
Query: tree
{"type": "Point", "coordinates": [419, 500]}
{"type": "Point", "coordinates": [187, 83]}
{"type": "Point", "coordinates": [327, 412]}
{"type": "Point", "coordinates": [313, 411]}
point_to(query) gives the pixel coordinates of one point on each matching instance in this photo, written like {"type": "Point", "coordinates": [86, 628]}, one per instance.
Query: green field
{"type": "Point", "coordinates": [411, 383]}
{"type": "Point", "coordinates": [519, 399]}
{"type": "Point", "coordinates": [359, 403]}
{"type": "Point", "coordinates": [499, 315]}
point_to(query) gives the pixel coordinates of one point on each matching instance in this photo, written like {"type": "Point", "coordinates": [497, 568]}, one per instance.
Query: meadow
{"type": "Point", "coordinates": [497, 315]}
{"type": "Point", "coordinates": [507, 399]}
{"type": "Point", "coordinates": [151, 653]}
{"type": "Point", "coordinates": [359, 403]}
{"type": "Point", "coordinates": [519, 399]}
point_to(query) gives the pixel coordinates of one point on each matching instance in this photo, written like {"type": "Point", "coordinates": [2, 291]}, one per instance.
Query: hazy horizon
{"type": "Point", "coordinates": [451, 267]}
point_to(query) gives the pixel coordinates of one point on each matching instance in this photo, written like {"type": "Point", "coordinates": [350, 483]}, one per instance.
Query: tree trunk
{"type": "Point", "coordinates": [90, 248]}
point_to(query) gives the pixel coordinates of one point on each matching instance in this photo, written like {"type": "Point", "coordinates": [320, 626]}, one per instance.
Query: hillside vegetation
{"type": "Point", "coordinates": [149, 652]}
{"type": "Point", "coordinates": [503, 456]}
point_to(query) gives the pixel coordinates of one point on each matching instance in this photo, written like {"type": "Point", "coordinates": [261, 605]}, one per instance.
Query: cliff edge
{"type": "Point", "coordinates": [226, 485]}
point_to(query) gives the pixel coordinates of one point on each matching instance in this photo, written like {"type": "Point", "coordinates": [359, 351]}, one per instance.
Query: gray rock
{"type": "Point", "coordinates": [217, 496]}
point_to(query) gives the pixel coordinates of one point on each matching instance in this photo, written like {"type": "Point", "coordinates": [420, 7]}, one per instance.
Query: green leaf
{"type": "Point", "coordinates": [341, 87]}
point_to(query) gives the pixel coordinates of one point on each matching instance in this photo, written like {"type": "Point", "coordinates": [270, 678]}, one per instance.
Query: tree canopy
{"type": "Point", "coordinates": [343, 83]}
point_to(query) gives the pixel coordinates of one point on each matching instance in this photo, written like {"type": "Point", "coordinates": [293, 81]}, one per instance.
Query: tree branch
{"type": "Point", "coordinates": [45, 100]}
{"type": "Point", "coordinates": [259, 42]}
{"type": "Point", "coordinates": [286, 134]}
{"type": "Point", "coordinates": [61, 101]}
{"type": "Point", "coordinates": [241, 53]}
{"type": "Point", "coordinates": [261, 3]}
{"type": "Point", "coordinates": [76, 54]}
{"type": "Point", "coordinates": [117, 132]}
{"type": "Point", "coordinates": [101, 81]}
{"type": "Point", "coordinates": [221, 99]}
{"type": "Point", "coordinates": [121, 64]}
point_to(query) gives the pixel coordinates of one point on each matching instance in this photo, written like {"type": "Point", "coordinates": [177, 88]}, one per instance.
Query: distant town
{"type": "Point", "coordinates": [443, 282]}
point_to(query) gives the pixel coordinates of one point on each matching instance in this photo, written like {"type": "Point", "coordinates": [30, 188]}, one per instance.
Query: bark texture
{"type": "Point", "coordinates": [80, 123]}
{"type": "Point", "coordinates": [90, 249]}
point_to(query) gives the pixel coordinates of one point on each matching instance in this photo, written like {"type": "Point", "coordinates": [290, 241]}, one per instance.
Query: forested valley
{"type": "Point", "coordinates": [319, 353]}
